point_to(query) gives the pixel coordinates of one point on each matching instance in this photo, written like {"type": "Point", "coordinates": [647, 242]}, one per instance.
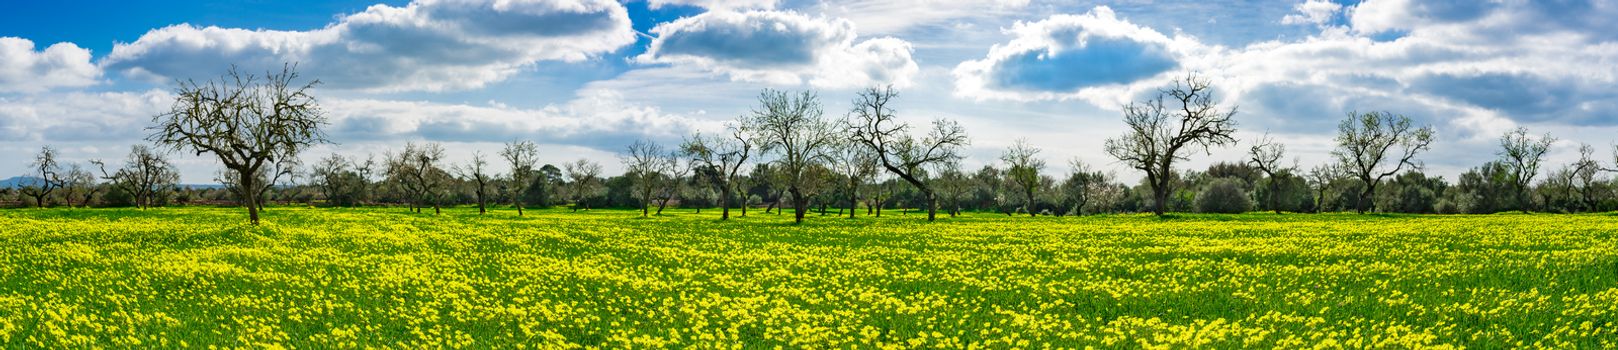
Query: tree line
{"type": "Point", "coordinates": [786, 153]}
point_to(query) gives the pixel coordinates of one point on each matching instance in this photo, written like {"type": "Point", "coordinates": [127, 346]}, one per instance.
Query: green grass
{"type": "Point", "coordinates": [381, 277]}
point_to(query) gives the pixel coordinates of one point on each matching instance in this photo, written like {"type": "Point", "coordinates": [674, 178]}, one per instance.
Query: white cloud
{"type": "Point", "coordinates": [597, 119]}
{"type": "Point", "coordinates": [61, 65]}
{"type": "Point", "coordinates": [1317, 12]}
{"type": "Point", "coordinates": [79, 117]}
{"type": "Point", "coordinates": [786, 48]}
{"type": "Point", "coordinates": [428, 45]}
{"type": "Point", "coordinates": [900, 16]}
{"type": "Point", "coordinates": [1065, 57]}
{"type": "Point", "coordinates": [716, 4]}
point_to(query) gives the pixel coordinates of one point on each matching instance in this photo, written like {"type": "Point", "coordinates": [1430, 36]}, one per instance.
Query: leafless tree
{"type": "Point", "coordinates": [793, 127]}
{"type": "Point", "coordinates": [1081, 185]}
{"type": "Point", "coordinates": [1523, 154]}
{"type": "Point", "coordinates": [1320, 178]}
{"type": "Point", "coordinates": [144, 176]}
{"type": "Point", "coordinates": [1022, 170]}
{"type": "Point", "coordinates": [644, 165]}
{"type": "Point", "coordinates": [953, 184]}
{"type": "Point", "coordinates": [476, 171]}
{"type": "Point", "coordinates": [725, 155]}
{"type": "Point", "coordinates": [872, 123]}
{"type": "Point", "coordinates": [334, 176]}
{"type": "Point", "coordinates": [857, 163]}
{"type": "Point", "coordinates": [1582, 177]}
{"type": "Point", "coordinates": [248, 122]}
{"type": "Point", "coordinates": [416, 170]}
{"type": "Point", "coordinates": [584, 178]}
{"type": "Point", "coordinates": [78, 183]}
{"type": "Point", "coordinates": [1266, 155]}
{"type": "Point", "coordinates": [47, 176]}
{"type": "Point", "coordinates": [671, 184]}
{"type": "Point", "coordinates": [1182, 118]}
{"type": "Point", "coordinates": [521, 156]}
{"type": "Point", "coordinates": [1363, 143]}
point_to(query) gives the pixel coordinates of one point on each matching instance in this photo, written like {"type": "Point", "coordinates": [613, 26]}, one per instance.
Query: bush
{"type": "Point", "coordinates": [1224, 196]}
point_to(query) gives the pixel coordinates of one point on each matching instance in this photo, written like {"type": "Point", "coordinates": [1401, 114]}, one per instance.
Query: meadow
{"type": "Point", "coordinates": [381, 277]}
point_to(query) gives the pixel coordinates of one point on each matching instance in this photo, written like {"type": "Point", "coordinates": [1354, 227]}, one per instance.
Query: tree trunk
{"type": "Point", "coordinates": [1029, 206]}
{"type": "Point", "coordinates": [724, 203]}
{"type": "Point", "coordinates": [519, 208]}
{"type": "Point", "coordinates": [799, 206]}
{"type": "Point", "coordinates": [249, 195]}
{"type": "Point", "coordinates": [1364, 202]}
{"type": "Point", "coordinates": [1159, 196]}
{"type": "Point", "coordinates": [1273, 193]}
{"type": "Point", "coordinates": [932, 205]}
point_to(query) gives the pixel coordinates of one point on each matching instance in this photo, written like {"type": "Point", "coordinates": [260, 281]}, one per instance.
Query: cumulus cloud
{"type": "Point", "coordinates": [61, 65]}
{"type": "Point", "coordinates": [428, 45]}
{"type": "Point", "coordinates": [597, 119]}
{"type": "Point", "coordinates": [79, 117]}
{"type": "Point", "coordinates": [781, 48]}
{"type": "Point", "coordinates": [1317, 12]}
{"type": "Point", "coordinates": [716, 4]}
{"type": "Point", "coordinates": [1069, 56]}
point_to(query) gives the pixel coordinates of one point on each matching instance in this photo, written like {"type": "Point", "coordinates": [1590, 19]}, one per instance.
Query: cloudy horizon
{"type": "Point", "coordinates": [585, 78]}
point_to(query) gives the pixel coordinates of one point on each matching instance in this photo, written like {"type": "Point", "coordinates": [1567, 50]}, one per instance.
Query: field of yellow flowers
{"type": "Point", "coordinates": [381, 277]}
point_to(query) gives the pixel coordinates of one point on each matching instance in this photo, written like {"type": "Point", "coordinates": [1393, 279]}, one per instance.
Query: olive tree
{"type": "Point", "coordinates": [521, 156]}
{"type": "Point", "coordinates": [793, 127]}
{"type": "Point", "coordinates": [144, 176]}
{"type": "Point", "coordinates": [47, 176]}
{"type": "Point", "coordinates": [1022, 170]}
{"type": "Point", "coordinates": [1266, 155]}
{"type": "Point", "coordinates": [1182, 118]}
{"type": "Point", "coordinates": [247, 121]}
{"type": "Point", "coordinates": [1364, 142]}
{"type": "Point", "coordinates": [1523, 154]}
{"type": "Point", "coordinates": [873, 124]}
{"type": "Point", "coordinates": [724, 155]}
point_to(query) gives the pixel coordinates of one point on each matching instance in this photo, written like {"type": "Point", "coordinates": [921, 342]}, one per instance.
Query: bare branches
{"type": "Point", "coordinates": [1022, 168]}
{"type": "Point", "coordinates": [521, 157]}
{"type": "Point", "coordinates": [792, 127]}
{"type": "Point", "coordinates": [1523, 154]}
{"type": "Point", "coordinates": [1159, 131]}
{"type": "Point", "coordinates": [724, 155]}
{"type": "Point", "coordinates": [1363, 143]}
{"type": "Point", "coordinates": [248, 122]}
{"type": "Point", "coordinates": [872, 124]}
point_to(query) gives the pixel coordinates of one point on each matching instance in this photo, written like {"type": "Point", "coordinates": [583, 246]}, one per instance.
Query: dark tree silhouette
{"type": "Point", "coordinates": [248, 122]}
{"type": "Point", "coordinates": [872, 123]}
{"type": "Point", "coordinates": [1160, 131]}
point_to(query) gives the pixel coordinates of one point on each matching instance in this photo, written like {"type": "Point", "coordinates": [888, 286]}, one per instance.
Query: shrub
{"type": "Point", "coordinates": [1224, 196]}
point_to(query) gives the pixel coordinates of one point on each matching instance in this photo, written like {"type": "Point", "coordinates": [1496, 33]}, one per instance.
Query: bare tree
{"type": "Point", "coordinates": [1320, 178]}
{"type": "Point", "coordinates": [1159, 132]}
{"type": "Point", "coordinates": [672, 182]}
{"type": "Point", "coordinates": [1022, 170]}
{"type": "Point", "coordinates": [725, 155]}
{"type": "Point", "coordinates": [333, 176]}
{"type": "Point", "coordinates": [793, 127]}
{"type": "Point", "coordinates": [1081, 185]}
{"type": "Point", "coordinates": [1363, 143]}
{"type": "Point", "coordinates": [144, 176]}
{"type": "Point", "coordinates": [47, 176]}
{"type": "Point", "coordinates": [476, 170]}
{"type": "Point", "coordinates": [249, 122]}
{"type": "Point", "coordinates": [953, 185]}
{"type": "Point", "coordinates": [417, 172]}
{"type": "Point", "coordinates": [857, 163]}
{"type": "Point", "coordinates": [873, 124]}
{"type": "Point", "coordinates": [583, 177]}
{"type": "Point", "coordinates": [1266, 155]}
{"type": "Point", "coordinates": [1582, 177]}
{"type": "Point", "coordinates": [78, 183]}
{"type": "Point", "coordinates": [521, 156]}
{"type": "Point", "coordinates": [1523, 154]}
{"type": "Point", "coordinates": [643, 163]}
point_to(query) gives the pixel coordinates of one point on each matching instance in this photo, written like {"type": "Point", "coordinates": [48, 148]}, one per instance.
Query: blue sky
{"type": "Point", "coordinates": [586, 77]}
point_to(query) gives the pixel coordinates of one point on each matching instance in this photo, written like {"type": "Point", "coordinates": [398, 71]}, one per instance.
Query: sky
{"type": "Point", "coordinates": [585, 78]}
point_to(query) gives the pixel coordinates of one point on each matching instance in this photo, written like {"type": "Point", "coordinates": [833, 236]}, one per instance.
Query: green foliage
{"type": "Point", "coordinates": [1224, 195]}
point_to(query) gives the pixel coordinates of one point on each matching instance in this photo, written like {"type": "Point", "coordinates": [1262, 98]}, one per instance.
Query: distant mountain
{"type": "Point", "coordinates": [18, 181]}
